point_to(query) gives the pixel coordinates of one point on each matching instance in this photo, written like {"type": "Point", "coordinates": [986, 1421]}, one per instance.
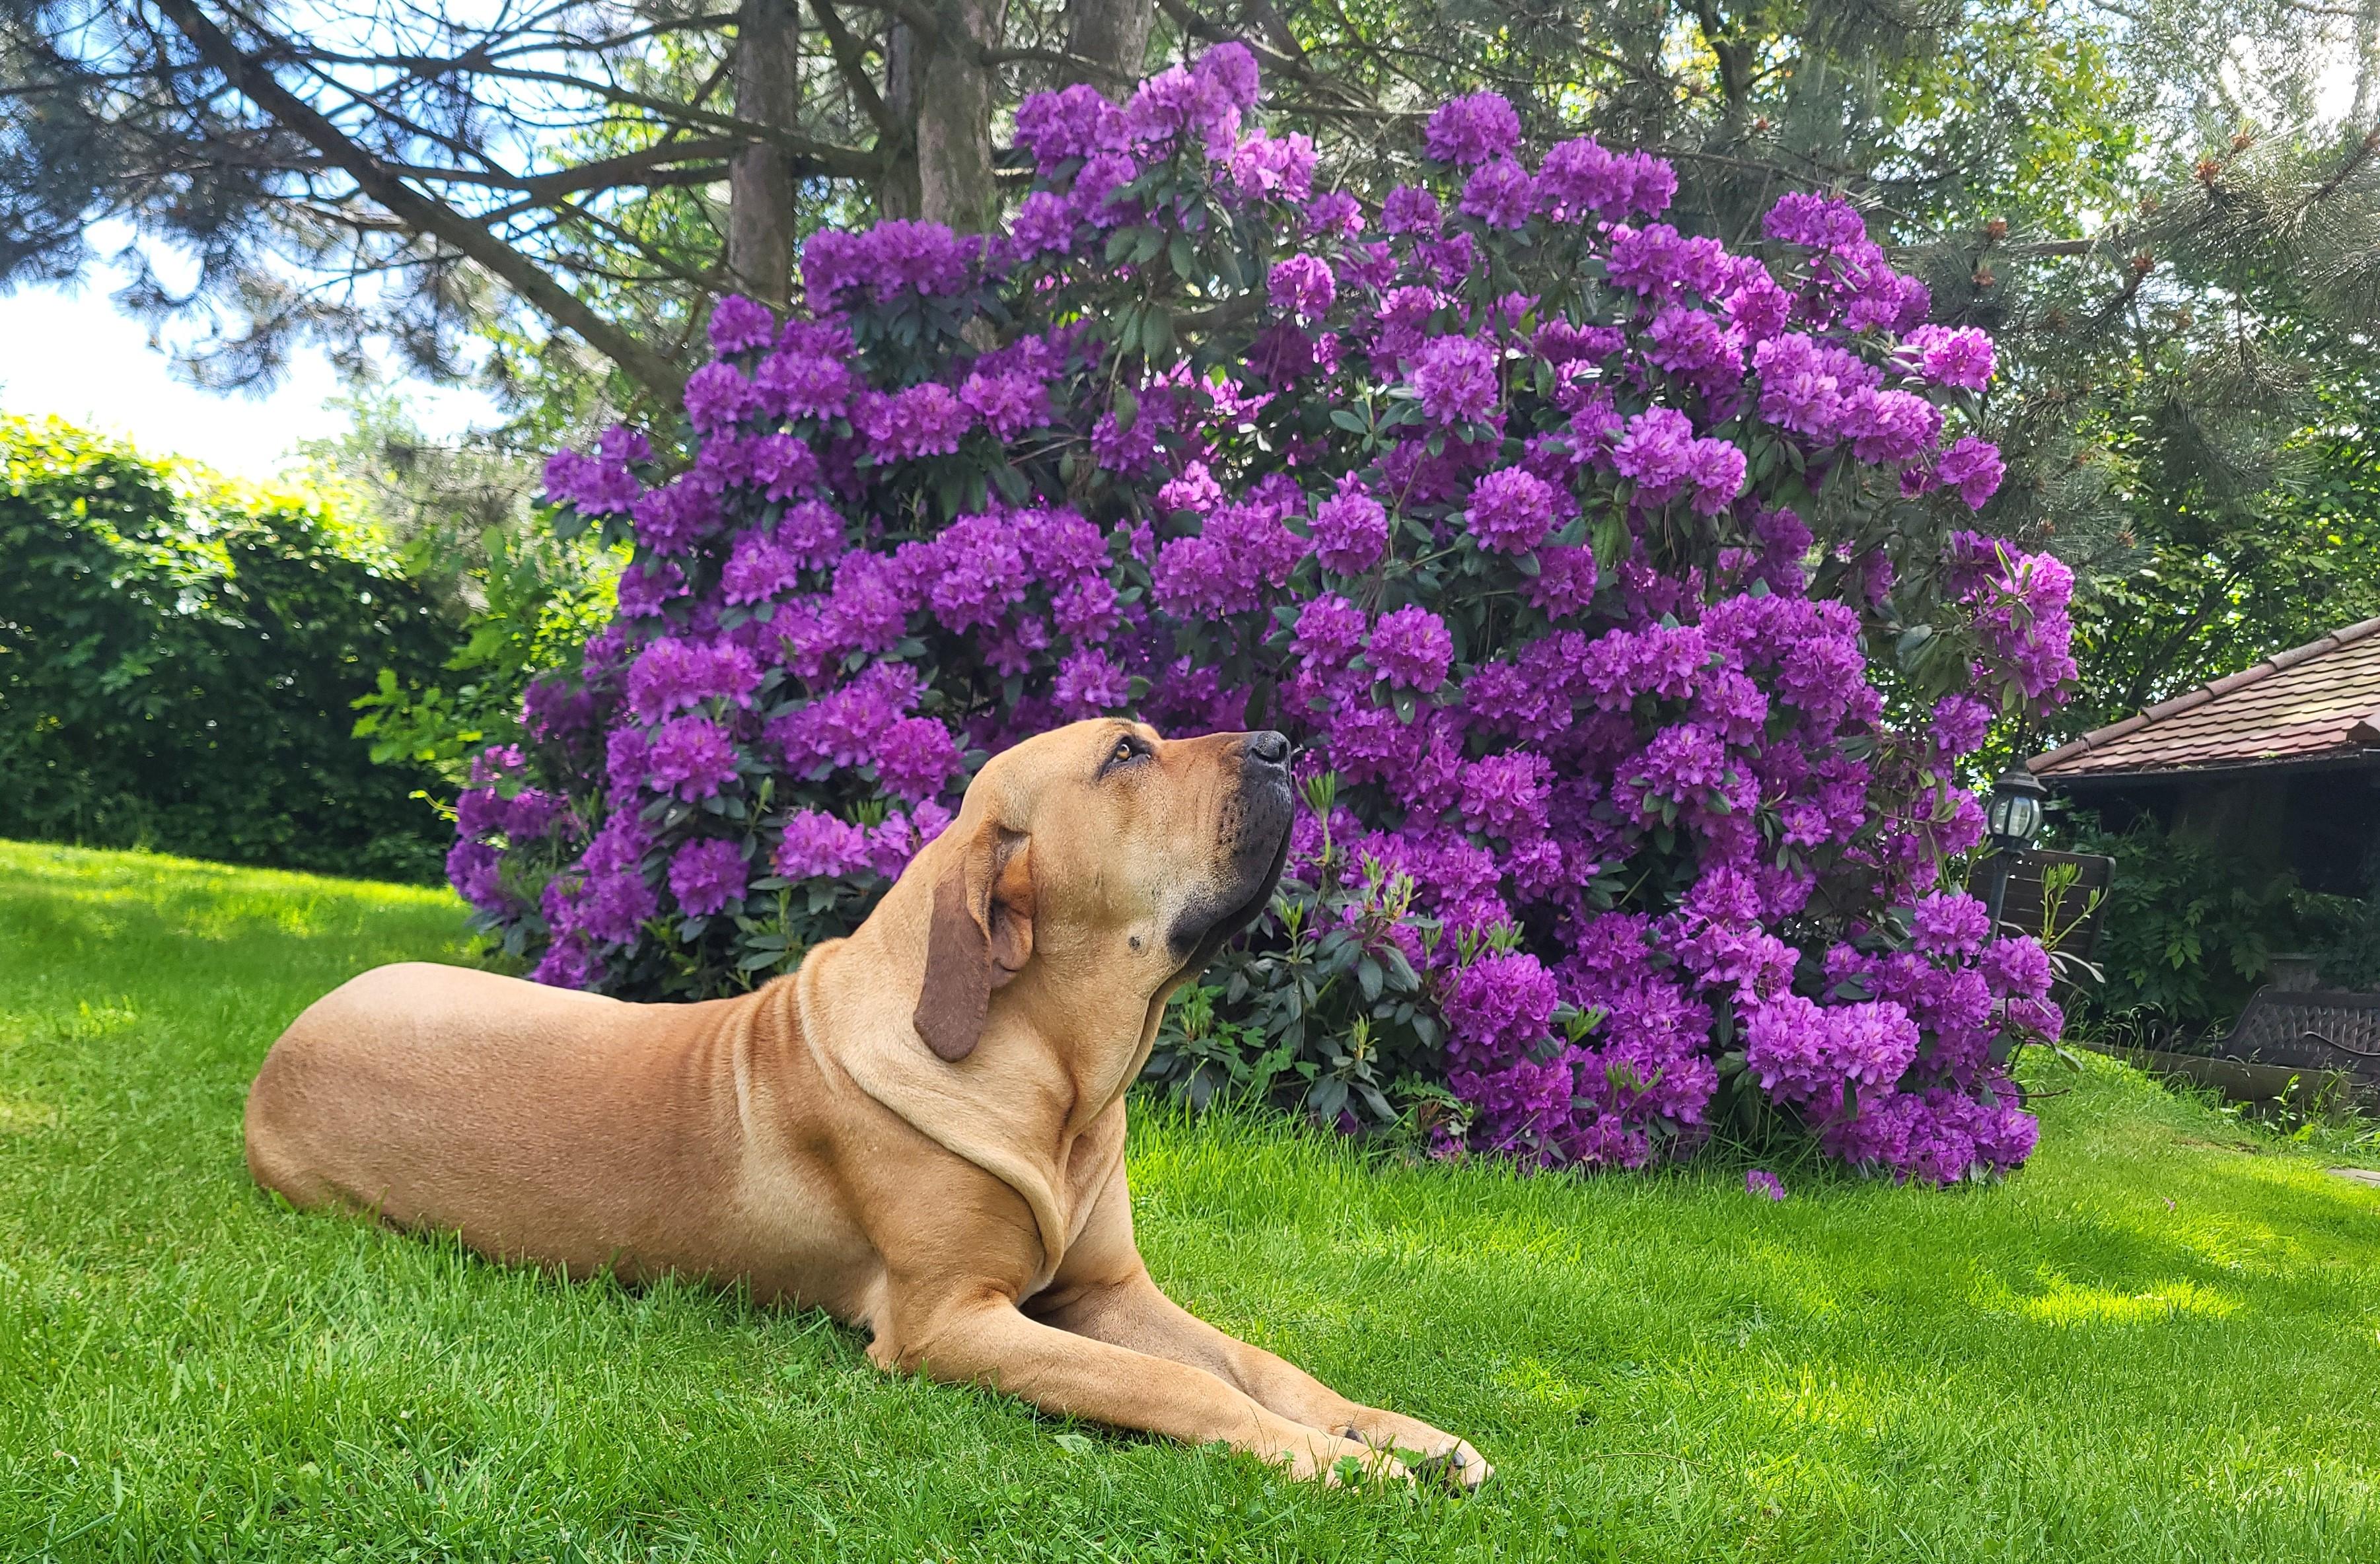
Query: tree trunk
{"type": "Point", "coordinates": [760, 176]}
{"type": "Point", "coordinates": [2366, 108]}
{"type": "Point", "coordinates": [1113, 33]}
{"type": "Point", "coordinates": [904, 63]}
{"type": "Point", "coordinates": [956, 88]}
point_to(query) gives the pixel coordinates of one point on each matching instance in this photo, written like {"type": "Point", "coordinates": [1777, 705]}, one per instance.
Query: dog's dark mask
{"type": "Point", "coordinates": [1256, 825]}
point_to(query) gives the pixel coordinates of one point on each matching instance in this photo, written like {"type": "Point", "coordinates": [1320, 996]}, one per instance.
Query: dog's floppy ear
{"type": "Point", "coordinates": [981, 934]}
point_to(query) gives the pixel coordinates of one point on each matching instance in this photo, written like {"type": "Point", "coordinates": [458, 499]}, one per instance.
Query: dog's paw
{"type": "Point", "coordinates": [1434, 1455]}
{"type": "Point", "coordinates": [1459, 1466]}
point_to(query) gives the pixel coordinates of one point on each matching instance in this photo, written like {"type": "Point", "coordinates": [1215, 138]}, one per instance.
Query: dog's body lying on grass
{"type": "Point", "coordinates": [921, 1132]}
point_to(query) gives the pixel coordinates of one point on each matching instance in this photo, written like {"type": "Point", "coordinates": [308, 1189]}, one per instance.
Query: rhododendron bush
{"type": "Point", "coordinates": [1614, 586]}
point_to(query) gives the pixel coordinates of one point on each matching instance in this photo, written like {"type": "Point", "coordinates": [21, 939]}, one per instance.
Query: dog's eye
{"type": "Point", "coordinates": [1127, 749]}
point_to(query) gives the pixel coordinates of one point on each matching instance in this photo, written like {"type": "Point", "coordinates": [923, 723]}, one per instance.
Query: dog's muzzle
{"type": "Point", "coordinates": [1255, 832]}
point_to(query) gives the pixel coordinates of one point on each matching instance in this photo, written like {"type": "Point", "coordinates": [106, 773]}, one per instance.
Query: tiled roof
{"type": "Point", "coordinates": [2320, 701]}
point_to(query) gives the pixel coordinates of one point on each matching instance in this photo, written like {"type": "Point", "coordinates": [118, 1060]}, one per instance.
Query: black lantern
{"type": "Point", "coordinates": [2013, 813]}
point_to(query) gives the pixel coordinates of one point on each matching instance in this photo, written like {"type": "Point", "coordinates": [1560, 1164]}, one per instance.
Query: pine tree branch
{"type": "Point", "coordinates": [827, 158]}
{"type": "Point", "coordinates": [424, 213]}
{"type": "Point", "coordinates": [851, 64]}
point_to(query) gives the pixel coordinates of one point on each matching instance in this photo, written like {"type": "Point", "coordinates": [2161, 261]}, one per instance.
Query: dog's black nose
{"type": "Point", "coordinates": [1269, 747]}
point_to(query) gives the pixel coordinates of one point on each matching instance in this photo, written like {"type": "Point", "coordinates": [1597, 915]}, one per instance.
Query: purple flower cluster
{"type": "Point", "coordinates": [1529, 581]}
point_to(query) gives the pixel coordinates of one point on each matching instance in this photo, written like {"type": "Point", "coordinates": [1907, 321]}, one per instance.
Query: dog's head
{"type": "Point", "coordinates": [1107, 859]}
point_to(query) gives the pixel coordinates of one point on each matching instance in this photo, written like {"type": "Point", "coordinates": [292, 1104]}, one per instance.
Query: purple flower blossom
{"type": "Point", "coordinates": [2018, 968]}
{"type": "Point", "coordinates": [691, 757]}
{"type": "Point", "coordinates": [1411, 648]}
{"type": "Point", "coordinates": [1174, 102]}
{"type": "Point", "coordinates": [1948, 923]}
{"type": "Point", "coordinates": [1455, 377]}
{"type": "Point", "coordinates": [1580, 180]}
{"type": "Point", "coordinates": [1501, 1003]}
{"type": "Point", "coordinates": [1656, 451]}
{"type": "Point", "coordinates": [817, 845]}
{"type": "Point", "coordinates": [1817, 222]}
{"type": "Point", "coordinates": [1073, 123]}
{"type": "Point", "coordinates": [1302, 286]}
{"type": "Point", "coordinates": [1089, 685]}
{"type": "Point", "coordinates": [1231, 69]}
{"type": "Point", "coordinates": [1973, 467]}
{"type": "Point", "coordinates": [1243, 554]}
{"type": "Point", "coordinates": [739, 324]}
{"type": "Point", "coordinates": [1351, 530]}
{"type": "Point", "coordinates": [670, 675]}
{"type": "Point", "coordinates": [567, 963]}
{"type": "Point", "coordinates": [802, 385]}
{"type": "Point", "coordinates": [1044, 224]}
{"type": "Point", "coordinates": [473, 869]}
{"type": "Point", "coordinates": [1512, 511]}
{"type": "Point", "coordinates": [1894, 426]}
{"type": "Point", "coordinates": [1764, 1184]}
{"type": "Point", "coordinates": [1411, 210]}
{"type": "Point", "coordinates": [555, 708]}
{"type": "Point", "coordinates": [1961, 358]}
{"type": "Point", "coordinates": [916, 757]}
{"type": "Point", "coordinates": [1008, 403]}
{"type": "Point", "coordinates": [1337, 214]}
{"type": "Point", "coordinates": [717, 395]}
{"type": "Point", "coordinates": [1507, 795]}
{"type": "Point", "coordinates": [1960, 723]}
{"type": "Point", "coordinates": [923, 421]}
{"type": "Point", "coordinates": [1472, 130]}
{"type": "Point", "coordinates": [1714, 469]}
{"type": "Point", "coordinates": [1500, 194]}
{"type": "Point", "coordinates": [706, 875]}
{"type": "Point", "coordinates": [811, 535]}
{"type": "Point", "coordinates": [1273, 166]}
{"type": "Point", "coordinates": [590, 486]}
{"type": "Point", "coordinates": [1330, 631]}
{"type": "Point", "coordinates": [673, 519]}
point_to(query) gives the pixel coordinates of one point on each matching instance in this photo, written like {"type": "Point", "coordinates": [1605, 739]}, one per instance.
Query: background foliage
{"type": "Point", "coordinates": [2189, 932]}
{"type": "Point", "coordinates": [461, 524]}
{"type": "Point", "coordinates": [177, 658]}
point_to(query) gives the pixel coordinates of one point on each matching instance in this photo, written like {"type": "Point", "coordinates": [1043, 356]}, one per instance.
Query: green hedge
{"type": "Point", "coordinates": [179, 661]}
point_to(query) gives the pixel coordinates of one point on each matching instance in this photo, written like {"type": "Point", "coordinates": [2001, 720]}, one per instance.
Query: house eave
{"type": "Point", "coordinates": [2357, 760]}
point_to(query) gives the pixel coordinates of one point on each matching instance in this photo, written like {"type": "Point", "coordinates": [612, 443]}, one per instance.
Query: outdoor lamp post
{"type": "Point", "coordinates": [2013, 816]}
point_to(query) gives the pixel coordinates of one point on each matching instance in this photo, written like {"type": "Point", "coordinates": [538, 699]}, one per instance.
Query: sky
{"type": "Point", "coordinates": [67, 350]}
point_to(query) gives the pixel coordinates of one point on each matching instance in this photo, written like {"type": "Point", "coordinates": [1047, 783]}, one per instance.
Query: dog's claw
{"type": "Point", "coordinates": [1460, 1468]}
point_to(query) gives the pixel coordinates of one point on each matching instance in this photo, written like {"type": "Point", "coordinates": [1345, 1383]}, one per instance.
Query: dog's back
{"type": "Point", "coordinates": [539, 1123]}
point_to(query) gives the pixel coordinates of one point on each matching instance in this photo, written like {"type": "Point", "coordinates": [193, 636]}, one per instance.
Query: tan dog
{"type": "Point", "coordinates": [921, 1130]}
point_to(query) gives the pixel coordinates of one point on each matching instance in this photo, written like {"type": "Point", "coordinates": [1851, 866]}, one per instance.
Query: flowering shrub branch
{"type": "Point", "coordinates": [1616, 583]}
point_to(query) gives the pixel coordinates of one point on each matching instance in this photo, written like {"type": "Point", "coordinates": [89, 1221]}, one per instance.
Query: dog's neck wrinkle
{"type": "Point", "coordinates": [1001, 1107]}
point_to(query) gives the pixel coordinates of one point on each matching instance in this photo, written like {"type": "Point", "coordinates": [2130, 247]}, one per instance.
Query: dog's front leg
{"type": "Point", "coordinates": [1105, 1292]}
{"type": "Point", "coordinates": [1136, 1315]}
{"type": "Point", "coordinates": [979, 1337]}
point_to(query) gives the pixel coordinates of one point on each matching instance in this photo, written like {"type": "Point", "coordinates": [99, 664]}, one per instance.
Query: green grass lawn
{"type": "Point", "coordinates": [2160, 1341]}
